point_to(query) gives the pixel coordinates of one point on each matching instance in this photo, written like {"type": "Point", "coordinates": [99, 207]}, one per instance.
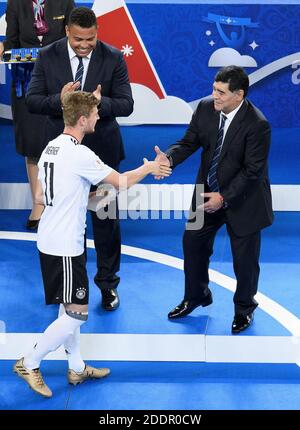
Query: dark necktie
{"type": "Point", "coordinates": [79, 73]}
{"type": "Point", "coordinates": [212, 173]}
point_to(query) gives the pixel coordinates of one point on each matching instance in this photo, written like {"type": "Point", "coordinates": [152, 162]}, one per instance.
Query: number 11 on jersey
{"type": "Point", "coordinates": [49, 192]}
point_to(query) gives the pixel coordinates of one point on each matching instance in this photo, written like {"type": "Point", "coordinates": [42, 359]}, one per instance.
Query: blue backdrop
{"type": "Point", "coordinates": [181, 38]}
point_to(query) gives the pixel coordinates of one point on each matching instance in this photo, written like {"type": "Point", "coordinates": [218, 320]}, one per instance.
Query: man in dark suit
{"type": "Point", "coordinates": [235, 139]}
{"type": "Point", "coordinates": [80, 61]}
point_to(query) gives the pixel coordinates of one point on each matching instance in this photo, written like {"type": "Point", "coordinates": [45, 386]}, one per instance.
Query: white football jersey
{"type": "Point", "coordinates": [66, 171]}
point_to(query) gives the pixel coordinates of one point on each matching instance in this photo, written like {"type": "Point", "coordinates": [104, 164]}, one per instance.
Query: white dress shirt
{"type": "Point", "coordinates": [229, 119]}
{"type": "Point", "coordinates": [74, 63]}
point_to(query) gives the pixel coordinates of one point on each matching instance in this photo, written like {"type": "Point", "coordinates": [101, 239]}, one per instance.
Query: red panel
{"type": "Point", "coordinates": [115, 28]}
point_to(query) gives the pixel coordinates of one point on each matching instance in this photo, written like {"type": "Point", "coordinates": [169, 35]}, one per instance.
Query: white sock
{"type": "Point", "coordinates": [72, 348]}
{"type": "Point", "coordinates": [54, 336]}
{"type": "Point", "coordinates": [61, 310]}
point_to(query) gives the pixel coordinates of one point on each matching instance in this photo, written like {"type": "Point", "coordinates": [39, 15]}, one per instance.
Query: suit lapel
{"type": "Point", "coordinates": [212, 133]}
{"type": "Point", "coordinates": [28, 11]}
{"type": "Point", "coordinates": [233, 128]}
{"type": "Point", "coordinates": [28, 19]}
{"type": "Point", "coordinates": [48, 12]}
{"type": "Point", "coordinates": [94, 69]}
{"type": "Point", "coordinates": [48, 17]}
{"type": "Point", "coordinates": [64, 63]}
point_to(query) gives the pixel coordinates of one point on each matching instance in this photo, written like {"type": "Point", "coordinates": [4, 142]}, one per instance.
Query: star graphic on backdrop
{"type": "Point", "coordinates": [127, 50]}
{"type": "Point", "coordinates": [212, 43]}
{"type": "Point", "coordinates": [253, 45]}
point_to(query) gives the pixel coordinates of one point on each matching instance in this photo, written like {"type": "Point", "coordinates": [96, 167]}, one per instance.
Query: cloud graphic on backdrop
{"type": "Point", "coordinates": [265, 71]}
{"type": "Point", "coordinates": [226, 56]}
{"type": "Point", "coordinates": [150, 109]}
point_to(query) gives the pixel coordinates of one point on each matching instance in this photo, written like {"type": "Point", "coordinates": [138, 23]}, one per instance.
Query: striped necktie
{"type": "Point", "coordinates": [212, 173]}
{"type": "Point", "coordinates": [79, 72]}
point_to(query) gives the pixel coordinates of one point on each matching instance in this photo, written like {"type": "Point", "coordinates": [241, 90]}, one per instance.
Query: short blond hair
{"type": "Point", "coordinates": [77, 104]}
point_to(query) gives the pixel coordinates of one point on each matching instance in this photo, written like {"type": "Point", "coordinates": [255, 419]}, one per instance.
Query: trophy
{"type": "Point", "coordinates": [21, 55]}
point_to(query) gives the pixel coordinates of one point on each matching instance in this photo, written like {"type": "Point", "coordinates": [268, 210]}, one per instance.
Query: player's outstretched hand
{"type": "Point", "coordinates": [157, 168]}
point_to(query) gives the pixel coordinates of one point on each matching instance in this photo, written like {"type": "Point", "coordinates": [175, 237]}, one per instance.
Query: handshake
{"type": "Point", "coordinates": [160, 167]}
{"type": "Point", "coordinates": [108, 189]}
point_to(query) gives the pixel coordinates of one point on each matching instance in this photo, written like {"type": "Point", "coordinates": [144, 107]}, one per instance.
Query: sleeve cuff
{"type": "Point", "coordinates": [170, 160]}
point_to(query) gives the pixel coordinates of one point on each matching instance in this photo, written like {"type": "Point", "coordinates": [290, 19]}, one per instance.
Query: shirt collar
{"type": "Point", "coordinates": [73, 54]}
{"type": "Point", "coordinates": [232, 114]}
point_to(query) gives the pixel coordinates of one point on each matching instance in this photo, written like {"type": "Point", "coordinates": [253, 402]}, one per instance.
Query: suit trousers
{"type": "Point", "coordinates": [198, 248]}
{"type": "Point", "coordinates": [107, 239]}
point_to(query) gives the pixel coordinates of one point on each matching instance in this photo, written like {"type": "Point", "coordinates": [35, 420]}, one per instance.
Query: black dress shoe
{"type": "Point", "coordinates": [241, 322]}
{"type": "Point", "coordinates": [187, 306]}
{"type": "Point", "coordinates": [32, 224]}
{"type": "Point", "coordinates": [110, 299]}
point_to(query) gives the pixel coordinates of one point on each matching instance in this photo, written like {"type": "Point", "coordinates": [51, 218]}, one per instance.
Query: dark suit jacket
{"type": "Point", "coordinates": [108, 68]}
{"type": "Point", "coordinates": [243, 167]}
{"type": "Point", "coordinates": [20, 31]}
